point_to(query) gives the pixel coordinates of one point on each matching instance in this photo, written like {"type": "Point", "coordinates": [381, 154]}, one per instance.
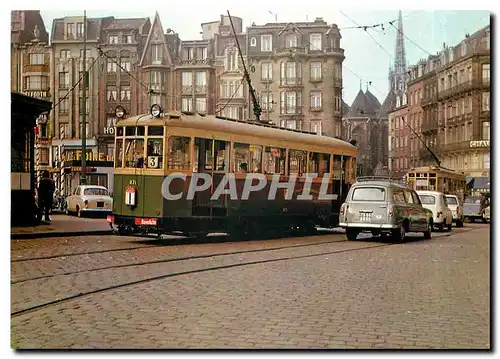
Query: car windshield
{"type": "Point", "coordinates": [451, 200]}
{"type": "Point", "coordinates": [95, 192]}
{"type": "Point", "coordinates": [427, 199]}
{"type": "Point", "coordinates": [368, 194]}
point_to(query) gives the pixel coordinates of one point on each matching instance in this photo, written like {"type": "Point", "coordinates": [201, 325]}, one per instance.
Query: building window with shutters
{"type": "Point", "coordinates": [485, 103]}
{"type": "Point", "coordinates": [37, 59]}
{"type": "Point", "coordinates": [316, 71]}
{"type": "Point", "coordinates": [64, 103]}
{"type": "Point", "coordinates": [111, 65]}
{"type": "Point", "coordinates": [316, 127]}
{"type": "Point", "coordinates": [111, 94]}
{"type": "Point", "coordinates": [486, 130]}
{"type": "Point", "coordinates": [316, 100]}
{"type": "Point", "coordinates": [266, 71]}
{"type": "Point", "coordinates": [125, 93]}
{"type": "Point", "coordinates": [486, 73]}
{"type": "Point", "coordinates": [187, 104]}
{"type": "Point", "coordinates": [201, 105]}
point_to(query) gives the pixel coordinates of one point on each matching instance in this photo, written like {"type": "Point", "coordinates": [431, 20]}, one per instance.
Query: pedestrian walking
{"type": "Point", "coordinates": [46, 190]}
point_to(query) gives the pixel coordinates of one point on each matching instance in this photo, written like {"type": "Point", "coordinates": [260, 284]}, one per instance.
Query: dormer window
{"type": "Point", "coordinates": [450, 54]}
{"type": "Point", "coordinates": [79, 29]}
{"type": "Point", "coordinates": [315, 42]}
{"type": "Point", "coordinates": [266, 43]}
{"type": "Point", "coordinates": [253, 41]}
{"type": "Point", "coordinates": [70, 31]}
{"type": "Point", "coordinates": [113, 39]}
{"type": "Point", "coordinates": [464, 48]}
{"type": "Point", "coordinates": [290, 41]}
{"type": "Point", "coordinates": [127, 39]}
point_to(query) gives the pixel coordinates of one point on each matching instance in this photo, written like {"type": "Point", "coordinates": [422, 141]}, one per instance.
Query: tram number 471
{"type": "Point", "coordinates": [131, 196]}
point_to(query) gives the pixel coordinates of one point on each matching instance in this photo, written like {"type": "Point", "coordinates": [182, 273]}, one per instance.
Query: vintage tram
{"type": "Point", "coordinates": [437, 178]}
{"type": "Point", "coordinates": [165, 151]}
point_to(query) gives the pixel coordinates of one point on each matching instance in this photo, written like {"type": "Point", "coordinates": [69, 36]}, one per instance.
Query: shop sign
{"type": "Point", "coordinates": [36, 94]}
{"type": "Point", "coordinates": [484, 143]}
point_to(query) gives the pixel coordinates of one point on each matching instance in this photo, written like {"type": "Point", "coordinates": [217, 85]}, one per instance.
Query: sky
{"type": "Point", "coordinates": [366, 61]}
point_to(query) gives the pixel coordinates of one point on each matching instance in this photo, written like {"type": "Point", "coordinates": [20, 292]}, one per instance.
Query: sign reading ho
{"type": "Point", "coordinates": [484, 143]}
{"type": "Point", "coordinates": [110, 130]}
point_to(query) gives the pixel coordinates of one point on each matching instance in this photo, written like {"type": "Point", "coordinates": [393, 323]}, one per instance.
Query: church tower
{"type": "Point", "coordinates": [398, 76]}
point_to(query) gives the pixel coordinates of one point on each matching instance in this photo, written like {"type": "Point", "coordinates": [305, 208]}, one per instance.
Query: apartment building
{"type": "Point", "coordinates": [232, 90]}
{"type": "Point", "coordinates": [122, 43]}
{"type": "Point", "coordinates": [448, 106]}
{"type": "Point", "coordinates": [296, 70]}
{"type": "Point", "coordinates": [463, 91]}
{"type": "Point", "coordinates": [30, 72]}
{"type": "Point", "coordinates": [399, 134]}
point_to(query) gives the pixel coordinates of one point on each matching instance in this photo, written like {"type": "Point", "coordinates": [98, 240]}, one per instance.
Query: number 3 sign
{"type": "Point", "coordinates": [153, 161]}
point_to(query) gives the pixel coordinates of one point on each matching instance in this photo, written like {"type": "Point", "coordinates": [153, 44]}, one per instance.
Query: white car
{"type": "Point", "coordinates": [457, 210]}
{"type": "Point", "coordinates": [89, 198]}
{"type": "Point", "coordinates": [441, 213]}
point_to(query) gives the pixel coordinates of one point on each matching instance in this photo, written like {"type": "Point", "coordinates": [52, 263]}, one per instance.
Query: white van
{"type": "Point", "coordinates": [436, 202]}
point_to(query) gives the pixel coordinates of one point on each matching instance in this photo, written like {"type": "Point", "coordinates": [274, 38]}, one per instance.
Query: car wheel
{"type": "Point", "coordinates": [399, 234]}
{"type": "Point", "coordinates": [428, 232]}
{"type": "Point", "coordinates": [351, 234]}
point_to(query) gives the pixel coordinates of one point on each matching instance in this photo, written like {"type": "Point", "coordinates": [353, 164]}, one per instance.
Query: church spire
{"type": "Point", "coordinates": [400, 65]}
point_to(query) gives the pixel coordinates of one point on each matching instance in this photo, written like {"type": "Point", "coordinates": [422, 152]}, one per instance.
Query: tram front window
{"type": "Point", "coordinates": [155, 153]}
{"type": "Point", "coordinates": [178, 153]}
{"type": "Point", "coordinates": [134, 153]}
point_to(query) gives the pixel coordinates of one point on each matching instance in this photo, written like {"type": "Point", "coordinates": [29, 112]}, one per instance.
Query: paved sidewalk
{"type": "Point", "coordinates": [62, 225]}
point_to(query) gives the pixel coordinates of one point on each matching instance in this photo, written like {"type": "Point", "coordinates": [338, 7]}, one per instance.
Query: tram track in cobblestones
{"type": "Point", "coordinates": [172, 242]}
{"type": "Point", "coordinates": [71, 297]}
{"type": "Point", "coordinates": [212, 255]}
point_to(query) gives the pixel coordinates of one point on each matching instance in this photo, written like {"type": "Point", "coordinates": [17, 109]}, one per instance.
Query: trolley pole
{"type": "Point", "coordinates": [83, 105]}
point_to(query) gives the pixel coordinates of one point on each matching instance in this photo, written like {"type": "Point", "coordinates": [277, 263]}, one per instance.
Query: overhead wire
{"type": "Point", "coordinates": [74, 86]}
{"type": "Point", "coordinates": [381, 25]}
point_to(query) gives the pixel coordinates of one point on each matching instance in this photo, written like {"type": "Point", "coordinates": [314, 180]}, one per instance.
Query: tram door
{"type": "Point", "coordinates": [212, 158]}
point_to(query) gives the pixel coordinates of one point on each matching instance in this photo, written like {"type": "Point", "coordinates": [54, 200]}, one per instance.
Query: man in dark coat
{"type": "Point", "coordinates": [46, 190]}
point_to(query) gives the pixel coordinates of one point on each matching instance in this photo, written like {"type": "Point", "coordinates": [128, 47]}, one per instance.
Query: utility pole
{"type": "Point", "coordinates": [83, 105]}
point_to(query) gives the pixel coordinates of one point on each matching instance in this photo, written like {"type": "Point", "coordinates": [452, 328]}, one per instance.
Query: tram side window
{"type": "Point", "coordinates": [204, 158]}
{"type": "Point", "coordinates": [155, 153]}
{"type": "Point", "coordinates": [274, 160]}
{"type": "Point", "coordinates": [119, 153]}
{"type": "Point", "coordinates": [319, 163]}
{"type": "Point", "coordinates": [178, 152]}
{"type": "Point", "coordinates": [134, 153]}
{"type": "Point", "coordinates": [297, 162]}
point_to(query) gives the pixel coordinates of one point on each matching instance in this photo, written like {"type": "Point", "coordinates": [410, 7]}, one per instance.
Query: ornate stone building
{"type": "Point", "coordinates": [296, 70]}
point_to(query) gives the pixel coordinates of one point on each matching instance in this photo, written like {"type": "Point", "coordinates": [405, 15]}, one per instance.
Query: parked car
{"type": "Point", "coordinates": [381, 206]}
{"type": "Point", "coordinates": [436, 202]}
{"type": "Point", "coordinates": [472, 209]}
{"type": "Point", "coordinates": [457, 210]}
{"type": "Point", "coordinates": [89, 198]}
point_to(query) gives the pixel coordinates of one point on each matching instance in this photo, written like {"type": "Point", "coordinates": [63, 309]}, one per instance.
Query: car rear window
{"type": "Point", "coordinates": [369, 194]}
{"type": "Point", "coordinates": [451, 200]}
{"type": "Point", "coordinates": [95, 192]}
{"type": "Point", "coordinates": [472, 200]}
{"type": "Point", "coordinates": [427, 199]}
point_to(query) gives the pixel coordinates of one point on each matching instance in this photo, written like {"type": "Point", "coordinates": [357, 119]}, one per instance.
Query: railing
{"type": "Point", "coordinates": [316, 108]}
{"type": "Point", "coordinates": [287, 50]}
{"type": "Point", "coordinates": [290, 110]}
{"type": "Point", "coordinates": [316, 79]}
{"type": "Point", "coordinates": [194, 62]}
{"type": "Point", "coordinates": [200, 89]}
{"type": "Point", "coordinates": [187, 89]}
{"type": "Point", "coordinates": [429, 99]}
{"type": "Point", "coordinates": [291, 81]}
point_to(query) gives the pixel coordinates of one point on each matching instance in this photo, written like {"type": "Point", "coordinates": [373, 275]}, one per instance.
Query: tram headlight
{"type": "Point", "coordinates": [119, 112]}
{"type": "Point", "coordinates": [155, 110]}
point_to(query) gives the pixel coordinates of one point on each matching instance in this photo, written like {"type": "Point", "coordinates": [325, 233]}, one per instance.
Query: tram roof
{"type": "Point", "coordinates": [211, 123]}
{"type": "Point", "coordinates": [435, 169]}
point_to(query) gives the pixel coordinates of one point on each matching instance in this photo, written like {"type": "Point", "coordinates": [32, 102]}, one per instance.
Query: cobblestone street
{"type": "Point", "coordinates": [309, 292]}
